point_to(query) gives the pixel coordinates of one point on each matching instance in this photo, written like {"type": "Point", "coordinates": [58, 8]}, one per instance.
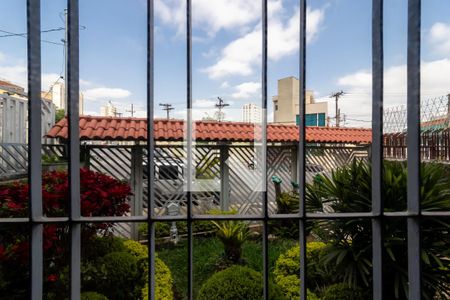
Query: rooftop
{"type": "Point", "coordinates": [131, 129]}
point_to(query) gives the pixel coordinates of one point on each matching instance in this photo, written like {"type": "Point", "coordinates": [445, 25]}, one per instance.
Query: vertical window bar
{"type": "Point", "coordinates": [413, 149]}
{"type": "Point", "coordinates": [264, 152]}
{"type": "Point", "coordinates": [301, 148]}
{"type": "Point", "coordinates": [34, 145]}
{"type": "Point", "coordinates": [72, 93]}
{"type": "Point", "coordinates": [377, 147]}
{"type": "Point", "coordinates": [189, 140]}
{"type": "Point", "coordinates": [150, 148]}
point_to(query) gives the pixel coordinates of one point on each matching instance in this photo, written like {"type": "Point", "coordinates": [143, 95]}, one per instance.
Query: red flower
{"type": "Point", "coordinates": [2, 252]}
{"type": "Point", "coordinates": [52, 278]}
{"type": "Point", "coordinates": [13, 205]}
{"type": "Point", "coordinates": [100, 195]}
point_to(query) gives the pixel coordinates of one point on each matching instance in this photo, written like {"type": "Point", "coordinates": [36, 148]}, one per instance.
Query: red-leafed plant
{"type": "Point", "coordinates": [100, 195]}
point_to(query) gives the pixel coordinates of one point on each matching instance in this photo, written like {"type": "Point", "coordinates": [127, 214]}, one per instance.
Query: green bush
{"type": "Point", "coordinates": [163, 280]}
{"type": "Point", "coordinates": [341, 291]}
{"type": "Point", "coordinates": [92, 296]}
{"type": "Point", "coordinates": [237, 282]}
{"type": "Point", "coordinates": [348, 189]}
{"type": "Point", "coordinates": [100, 246]}
{"type": "Point", "coordinates": [136, 248]}
{"type": "Point", "coordinates": [119, 271]}
{"type": "Point", "coordinates": [287, 269]}
{"type": "Point", "coordinates": [232, 234]}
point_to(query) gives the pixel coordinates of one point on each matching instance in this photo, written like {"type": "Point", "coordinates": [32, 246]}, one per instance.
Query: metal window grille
{"type": "Point", "coordinates": [413, 214]}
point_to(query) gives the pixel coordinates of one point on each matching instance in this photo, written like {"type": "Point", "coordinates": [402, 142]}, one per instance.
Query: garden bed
{"type": "Point", "coordinates": [207, 255]}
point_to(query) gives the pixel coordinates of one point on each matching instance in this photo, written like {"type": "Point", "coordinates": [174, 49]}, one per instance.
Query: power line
{"type": "Point", "coordinates": [167, 107]}
{"type": "Point", "coordinates": [24, 35]}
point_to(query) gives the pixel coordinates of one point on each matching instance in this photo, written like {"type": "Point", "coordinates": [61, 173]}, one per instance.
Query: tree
{"type": "Point", "coordinates": [60, 114]}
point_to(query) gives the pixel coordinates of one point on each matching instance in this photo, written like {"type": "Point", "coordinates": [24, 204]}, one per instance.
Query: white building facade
{"type": "Point", "coordinates": [108, 110]}
{"type": "Point", "coordinates": [58, 97]}
{"type": "Point", "coordinates": [251, 113]}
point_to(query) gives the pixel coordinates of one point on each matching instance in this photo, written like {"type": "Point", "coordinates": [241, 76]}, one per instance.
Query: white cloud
{"type": "Point", "coordinates": [246, 90]}
{"type": "Point", "coordinates": [242, 55]}
{"type": "Point", "coordinates": [84, 83]}
{"type": "Point", "coordinates": [210, 16]}
{"type": "Point", "coordinates": [357, 104]}
{"type": "Point", "coordinates": [16, 73]}
{"type": "Point", "coordinates": [48, 79]}
{"type": "Point", "coordinates": [225, 85]}
{"type": "Point", "coordinates": [204, 103]}
{"type": "Point", "coordinates": [440, 38]}
{"type": "Point", "coordinates": [104, 93]}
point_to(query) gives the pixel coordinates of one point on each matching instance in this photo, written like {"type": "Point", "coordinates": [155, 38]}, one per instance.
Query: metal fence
{"type": "Point", "coordinates": [14, 159]}
{"type": "Point", "coordinates": [225, 172]}
{"type": "Point", "coordinates": [434, 145]}
{"type": "Point", "coordinates": [413, 215]}
{"type": "Point", "coordinates": [14, 118]}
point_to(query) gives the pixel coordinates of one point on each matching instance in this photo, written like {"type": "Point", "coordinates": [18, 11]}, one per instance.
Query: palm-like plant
{"type": "Point", "coordinates": [349, 190]}
{"type": "Point", "coordinates": [232, 234]}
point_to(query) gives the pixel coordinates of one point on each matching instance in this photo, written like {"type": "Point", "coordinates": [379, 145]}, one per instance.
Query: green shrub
{"type": "Point", "coordinates": [287, 203]}
{"type": "Point", "coordinates": [237, 282]}
{"type": "Point", "coordinates": [136, 248]}
{"type": "Point", "coordinates": [92, 296]}
{"type": "Point", "coordinates": [348, 189]}
{"type": "Point", "coordinates": [287, 269]}
{"type": "Point", "coordinates": [163, 280]}
{"type": "Point", "coordinates": [119, 271]}
{"type": "Point", "coordinates": [232, 234]}
{"type": "Point", "coordinates": [100, 246]}
{"type": "Point", "coordinates": [341, 291]}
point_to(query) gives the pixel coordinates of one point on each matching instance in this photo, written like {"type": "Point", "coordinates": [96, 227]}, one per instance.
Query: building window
{"type": "Point", "coordinates": [312, 119]}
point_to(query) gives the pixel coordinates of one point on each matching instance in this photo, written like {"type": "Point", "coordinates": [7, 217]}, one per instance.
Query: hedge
{"type": "Point", "coordinates": [163, 280]}
{"type": "Point", "coordinates": [341, 291]}
{"type": "Point", "coordinates": [92, 296]}
{"type": "Point", "coordinates": [237, 282]}
{"type": "Point", "coordinates": [287, 269]}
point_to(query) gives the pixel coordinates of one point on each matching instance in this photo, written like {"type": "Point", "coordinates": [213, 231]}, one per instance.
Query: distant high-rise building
{"type": "Point", "coordinates": [251, 113]}
{"type": "Point", "coordinates": [108, 110]}
{"type": "Point", "coordinates": [286, 105]}
{"type": "Point", "coordinates": [58, 96]}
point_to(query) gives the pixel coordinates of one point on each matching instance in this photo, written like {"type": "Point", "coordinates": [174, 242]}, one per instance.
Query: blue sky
{"type": "Point", "coordinates": [227, 49]}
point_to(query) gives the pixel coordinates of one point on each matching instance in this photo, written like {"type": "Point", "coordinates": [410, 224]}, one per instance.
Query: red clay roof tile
{"type": "Point", "coordinates": [132, 129]}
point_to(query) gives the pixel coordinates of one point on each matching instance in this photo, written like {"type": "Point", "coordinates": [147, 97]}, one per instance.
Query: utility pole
{"type": "Point", "coordinates": [132, 111]}
{"type": "Point", "coordinates": [220, 106]}
{"type": "Point", "coordinates": [338, 112]}
{"type": "Point", "coordinates": [66, 60]}
{"type": "Point", "coordinates": [167, 107]}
